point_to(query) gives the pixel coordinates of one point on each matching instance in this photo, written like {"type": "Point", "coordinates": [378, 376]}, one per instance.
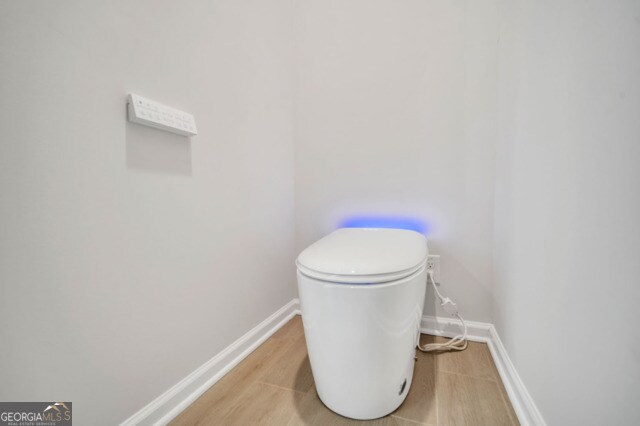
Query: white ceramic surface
{"type": "Point", "coordinates": [361, 339]}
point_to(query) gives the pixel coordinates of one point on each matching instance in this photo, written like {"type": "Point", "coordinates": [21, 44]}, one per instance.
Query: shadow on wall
{"type": "Point", "coordinates": [455, 271]}
{"type": "Point", "coordinates": [157, 151]}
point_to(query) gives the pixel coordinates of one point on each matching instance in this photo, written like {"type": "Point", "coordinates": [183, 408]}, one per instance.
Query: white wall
{"type": "Point", "coordinates": [395, 115]}
{"type": "Point", "coordinates": [568, 205]}
{"type": "Point", "coordinates": [510, 126]}
{"type": "Point", "coordinates": [128, 256]}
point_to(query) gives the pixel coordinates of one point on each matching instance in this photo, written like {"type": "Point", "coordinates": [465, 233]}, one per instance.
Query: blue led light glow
{"type": "Point", "coordinates": [385, 222]}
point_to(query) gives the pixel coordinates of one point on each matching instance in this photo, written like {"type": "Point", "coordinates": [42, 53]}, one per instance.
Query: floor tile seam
{"type": "Point", "coordinates": [504, 402]}
{"type": "Point", "coordinates": [273, 358]}
{"type": "Point", "coordinates": [245, 391]}
{"type": "Point", "coordinates": [435, 397]}
{"type": "Point", "coordinates": [435, 390]}
{"type": "Point", "coordinates": [288, 341]}
{"type": "Point", "coordinates": [471, 376]}
{"type": "Point", "coordinates": [281, 387]}
{"type": "Point", "coordinates": [507, 406]}
{"type": "Point", "coordinates": [412, 420]}
{"type": "Point", "coordinates": [223, 413]}
{"type": "Point", "coordinates": [210, 408]}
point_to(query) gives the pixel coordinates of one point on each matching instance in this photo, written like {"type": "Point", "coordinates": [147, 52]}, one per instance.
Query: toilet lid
{"type": "Point", "coordinates": [364, 255]}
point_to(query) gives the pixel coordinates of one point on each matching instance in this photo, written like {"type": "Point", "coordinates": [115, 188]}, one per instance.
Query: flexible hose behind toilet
{"type": "Point", "coordinates": [457, 343]}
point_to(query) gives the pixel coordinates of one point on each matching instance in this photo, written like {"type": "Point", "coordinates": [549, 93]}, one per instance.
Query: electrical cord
{"type": "Point", "coordinates": [457, 343]}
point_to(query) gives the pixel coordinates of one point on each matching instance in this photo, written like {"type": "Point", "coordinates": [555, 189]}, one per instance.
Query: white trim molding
{"type": "Point", "coordinates": [523, 404]}
{"type": "Point", "coordinates": [450, 327]}
{"type": "Point", "coordinates": [167, 406]}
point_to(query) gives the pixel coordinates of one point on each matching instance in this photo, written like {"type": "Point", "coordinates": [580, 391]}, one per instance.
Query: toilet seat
{"type": "Point", "coordinates": [364, 256]}
{"type": "Point", "coordinates": [359, 279]}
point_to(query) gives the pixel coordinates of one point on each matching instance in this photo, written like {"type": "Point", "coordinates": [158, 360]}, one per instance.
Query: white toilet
{"type": "Point", "coordinates": [361, 294]}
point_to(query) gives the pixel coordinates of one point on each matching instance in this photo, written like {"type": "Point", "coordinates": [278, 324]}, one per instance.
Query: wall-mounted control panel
{"type": "Point", "coordinates": [153, 114]}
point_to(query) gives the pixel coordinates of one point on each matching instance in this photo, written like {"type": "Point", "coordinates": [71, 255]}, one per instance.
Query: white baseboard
{"type": "Point", "coordinates": [523, 404]}
{"type": "Point", "coordinates": [449, 327]}
{"type": "Point", "coordinates": [171, 403]}
{"type": "Point", "coordinates": [167, 406]}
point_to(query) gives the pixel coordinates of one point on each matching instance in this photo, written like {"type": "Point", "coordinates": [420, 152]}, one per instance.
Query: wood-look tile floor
{"type": "Point", "coordinates": [274, 386]}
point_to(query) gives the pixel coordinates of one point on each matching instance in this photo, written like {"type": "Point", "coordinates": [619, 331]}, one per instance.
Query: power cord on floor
{"type": "Point", "coordinates": [459, 342]}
